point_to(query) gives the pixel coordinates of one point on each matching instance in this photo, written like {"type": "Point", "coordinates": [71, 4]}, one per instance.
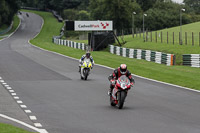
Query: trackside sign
{"type": "Point", "coordinates": [93, 25]}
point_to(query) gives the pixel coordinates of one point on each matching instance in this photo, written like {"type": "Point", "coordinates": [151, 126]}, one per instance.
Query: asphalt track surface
{"type": "Point", "coordinates": [50, 86]}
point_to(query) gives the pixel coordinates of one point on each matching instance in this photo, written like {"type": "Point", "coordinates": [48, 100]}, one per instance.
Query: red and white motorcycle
{"type": "Point", "coordinates": [120, 92]}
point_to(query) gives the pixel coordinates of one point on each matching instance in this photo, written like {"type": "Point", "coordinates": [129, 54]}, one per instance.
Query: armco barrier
{"type": "Point", "coordinates": [6, 30]}
{"type": "Point", "coordinates": [69, 43]}
{"type": "Point", "coordinates": [192, 60]}
{"type": "Point", "coordinates": [157, 57]}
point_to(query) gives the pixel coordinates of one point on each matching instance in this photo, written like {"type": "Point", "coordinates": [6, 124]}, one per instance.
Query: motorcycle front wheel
{"type": "Point", "coordinates": [86, 72]}
{"type": "Point", "coordinates": [121, 98]}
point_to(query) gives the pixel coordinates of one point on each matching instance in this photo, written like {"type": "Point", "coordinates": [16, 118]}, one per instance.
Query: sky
{"type": "Point", "coordinates": [178, 1]}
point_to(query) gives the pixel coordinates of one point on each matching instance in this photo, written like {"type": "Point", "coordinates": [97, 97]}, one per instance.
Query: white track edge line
{"type": "Point", "coordinates": [12, 119]}
{"type": "Point", "coordinates": [113, 69]}
{"type": "Point", "coordinates": [186, 88]}
{"type": "Point", "coordinates": [14, 31]}
{"type": "Point", "coordinates": [24, 124]}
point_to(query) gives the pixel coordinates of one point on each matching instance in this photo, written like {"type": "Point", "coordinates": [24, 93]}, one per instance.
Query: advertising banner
{"type": "Point", "coordinates": [93, 26]}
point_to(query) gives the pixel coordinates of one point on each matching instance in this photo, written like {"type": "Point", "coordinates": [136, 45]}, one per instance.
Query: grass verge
{"type": "Point", "coordinates": [179, 75]}
{"type": "Point", "coordinates": [178, 50]}
{"type": "Point", "coordinates": [16, 22]}
{"type": "Point", "coordinates": [6, 128]}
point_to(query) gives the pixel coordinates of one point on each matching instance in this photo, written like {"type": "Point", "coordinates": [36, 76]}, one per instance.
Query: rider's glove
{"type": "Point", "coordinates": [112, 82]}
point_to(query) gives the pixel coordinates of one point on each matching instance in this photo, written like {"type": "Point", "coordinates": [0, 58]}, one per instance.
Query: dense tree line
{"type": "Point", "coordinates": [160, 13]}
{"type": "Point", "coordinates": [7, 10]}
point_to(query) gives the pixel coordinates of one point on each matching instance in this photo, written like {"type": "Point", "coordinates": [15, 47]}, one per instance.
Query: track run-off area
{"type": "Point", "coordinates": [50, 87]}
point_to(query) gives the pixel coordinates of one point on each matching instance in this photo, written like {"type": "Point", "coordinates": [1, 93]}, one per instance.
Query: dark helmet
{"type": "Point", "coordinates": [87, 54]}
{"type": "Point", "coordinates": [123, 68]}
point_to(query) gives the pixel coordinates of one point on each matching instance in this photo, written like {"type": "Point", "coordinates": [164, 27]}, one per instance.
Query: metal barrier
{"type": "Point", "coordinates": [6, 30]}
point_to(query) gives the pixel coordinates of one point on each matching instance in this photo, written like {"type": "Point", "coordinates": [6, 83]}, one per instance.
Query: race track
{"type": "Point", "coordinates": [50, 85]}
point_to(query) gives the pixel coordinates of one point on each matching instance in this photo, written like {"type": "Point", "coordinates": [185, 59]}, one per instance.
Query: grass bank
{"type": "Point", "coordinates": [6, 128]}
{"type": "Point", "coordinates": [179, 75]}
{"type": "Point", "coordinates": [16, 22]}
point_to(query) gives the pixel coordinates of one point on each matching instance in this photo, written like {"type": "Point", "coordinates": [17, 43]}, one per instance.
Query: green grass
{"type": "Point", "coordinates": [180, 75]}
{"type": "Point", "coordinates": [178, 50]}
{"type": "Point", "coordinates": [171, 48]}
{"type": "Point", "coordinates": [5, 128]}
{"type": "Point", "coordinates": [16, 21]}
{"type": "Point", "coordinates": [3, 27]}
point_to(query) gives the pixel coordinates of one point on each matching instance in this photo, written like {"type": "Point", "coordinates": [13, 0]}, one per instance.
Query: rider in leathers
{"type": "Point", "coordinates": [87, 56]}
{"type": "Point", "coordinates": [122, 70]}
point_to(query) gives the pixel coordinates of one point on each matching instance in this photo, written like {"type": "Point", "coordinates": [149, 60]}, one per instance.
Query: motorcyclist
{"type": "Point", "coordinates": [87, 55]}
{"type": "Point", "coordinates": [122, 70]}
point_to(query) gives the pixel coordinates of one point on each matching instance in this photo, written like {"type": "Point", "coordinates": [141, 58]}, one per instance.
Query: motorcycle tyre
{"type": "Point", "coordinates": [86, 74]}
{"type": "Point", "coordinates": [121, 98]}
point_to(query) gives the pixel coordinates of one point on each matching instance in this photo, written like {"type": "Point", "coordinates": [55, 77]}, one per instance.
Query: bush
{"type": "Point", "coordinates": [70, 14]}
{"type": "Point", "coordinates": [83, 15]}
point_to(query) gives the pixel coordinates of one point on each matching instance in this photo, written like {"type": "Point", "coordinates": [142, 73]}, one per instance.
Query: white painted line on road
{"type": "Point", "coordinates": [190, 89]}
{"type": "Point", "coordinates": [13, 94]}
{"type": "Point", "coordinates": [13, 32]}
{"type": "Point", "coordinates": [27, 111]}
{"type": "Point", "coordinates": [23, 106]}
{"type": "Point", "coordinates": [19, 102]}
{"type": "Point", "coordinates": [8, 88]}
{"type": "Point", "coordinates": [33, 118]}
{"type": "Point", "coordinates": [16, 97]}
{"type": "Point", "coordinates": [37, 125]}
{"type": "Point", "coordinates": [24, 124]}
{"type": "Point", "coordinates": [11, 90]}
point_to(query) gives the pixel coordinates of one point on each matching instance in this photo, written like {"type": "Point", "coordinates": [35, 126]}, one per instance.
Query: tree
{"type": "Point", "coordinates": [83, 15]}
{"type": "Point", "coordinates": [194, 4]}
{"type": "Point", "coordinates": [165, 15]}
{"type": "Point", "coordinates": [120, 11]}
{"type": "Point", "coordinates": [70, 14]}
{"type": "Point", "coordinates": [7, 10]}
{"type": "Point", "coordinates": [147, 4]}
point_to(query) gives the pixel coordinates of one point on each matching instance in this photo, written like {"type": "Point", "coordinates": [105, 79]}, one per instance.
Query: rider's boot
{"type": "Point", "coordinates": [110, 92]}
{"type": "Point", "coordinates": [79, 69]}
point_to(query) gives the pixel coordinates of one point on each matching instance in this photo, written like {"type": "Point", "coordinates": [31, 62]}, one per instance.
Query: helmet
{"type": "Point", "coordinates": [123, 68]}
{"type": "Point", "coordinates": [87, 54]}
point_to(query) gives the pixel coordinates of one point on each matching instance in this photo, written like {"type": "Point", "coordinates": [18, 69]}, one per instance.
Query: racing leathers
{"type": "Point", "coordinates": [82, 60]}
{"type": "Point", "coordinates": [115, 75]}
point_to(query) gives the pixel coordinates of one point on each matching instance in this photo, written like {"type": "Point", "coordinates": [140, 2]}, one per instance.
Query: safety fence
{"type": "Point", "coordinates": [6, 30]}
{"type": "Point", "coordinates": [69, 43]}
{"type": "Point", "coordinates": [192, 60]}
{"type": "Point", "coordinates": [157, 57]}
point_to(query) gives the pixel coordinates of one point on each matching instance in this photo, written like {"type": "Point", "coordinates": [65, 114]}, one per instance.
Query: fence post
{"type": "Point", "coordinates": [173, 37]}
{"type": "Point", "coordinates": [179, 38]}
{"type": "Point", "coordinates": [147, 36]}
{"type": "Point", "coordinates": [151, 36]}
{"type": "Point", "coordinates": [140, 32]}
{"type": "Point", "coordinates": [161, 36]}
{"type": "Point", "coordinates": [167, 38]}
{"type": "Point", "coordinates": [156, 36]}
{"type": "Point", "coordinates": [186, 38]}
{"type": "Point", "coordinates": [192, 39]}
